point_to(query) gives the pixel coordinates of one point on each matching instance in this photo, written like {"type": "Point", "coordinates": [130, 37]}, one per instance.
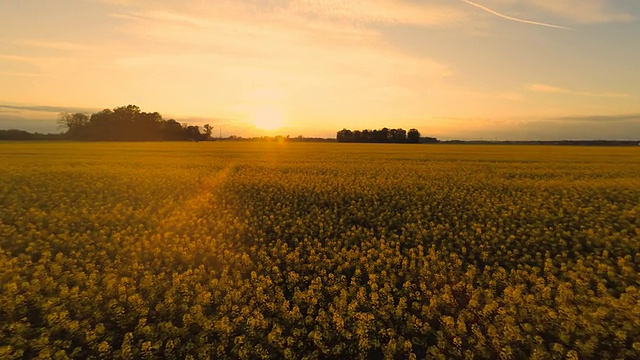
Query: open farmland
{"type": "Point", "coordinates": [265, 250]}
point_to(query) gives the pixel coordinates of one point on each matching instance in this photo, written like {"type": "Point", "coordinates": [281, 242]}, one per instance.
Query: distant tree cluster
{"type": "Point", "coordinates": [383, 135]}
{"type": "Point", "coordinates": [21, 135]}
{"type": "Point", "coordinates": [129, 123]}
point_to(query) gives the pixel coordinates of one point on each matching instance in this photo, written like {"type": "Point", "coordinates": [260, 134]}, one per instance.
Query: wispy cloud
{"type": "Point", "coordinates": [635, 117]}
{"type": "Point", "coordinates": [355, 11]}
{"type": "Point", "coordinates": [16, 58]}
{"type": "Point", "coordinates": [293, 43]}
{"type": "Point", "coordinates": [507, 17]}
{"type": "Point", "coordinates": [29, 124]}
{"type": "Point", "coordinates": [48, 109]}
{"type": "Point", "coordinates": [38, 61]}
{"type": "Point", "coordinates": [52, 44]}
{"type": "Point", "coordinates": [26, 74]}
{"type": "Point", "coordinates": [36, 118]}
{"type": "Point", "coordinates": [542, 88]}
{"type": "Point", "coordinates": [386, 11]}
{"type": "Point", "coordinates": [584, 11]}
{"type": "Point", "coordinates": [578, 127]}
{"type": "Point", "coordinates": [117, 2]}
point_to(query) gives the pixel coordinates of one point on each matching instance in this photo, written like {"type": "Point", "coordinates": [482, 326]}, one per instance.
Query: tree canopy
{"type": "Point", "coordinates": [129, 123]}
{"type": "Point", "coordinates": [383, 135]}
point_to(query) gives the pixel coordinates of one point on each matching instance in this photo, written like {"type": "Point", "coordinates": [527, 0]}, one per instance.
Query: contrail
{"type": "Point", "coordinates": [515, 19]}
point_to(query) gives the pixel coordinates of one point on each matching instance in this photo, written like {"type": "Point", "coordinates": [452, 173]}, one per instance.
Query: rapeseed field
{"type": "Point", "coordinates": [288, 251]}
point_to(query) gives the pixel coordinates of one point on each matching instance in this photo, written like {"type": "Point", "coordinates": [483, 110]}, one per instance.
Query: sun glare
{"type": "Point", "coordinates": [267, 119]}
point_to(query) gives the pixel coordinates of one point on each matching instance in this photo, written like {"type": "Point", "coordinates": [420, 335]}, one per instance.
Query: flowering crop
{"type": "Point", "coordinates": [263, 250]}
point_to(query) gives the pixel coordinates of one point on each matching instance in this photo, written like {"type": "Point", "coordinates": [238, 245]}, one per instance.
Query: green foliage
{"type": "Point", "coordinates": [266, 250]}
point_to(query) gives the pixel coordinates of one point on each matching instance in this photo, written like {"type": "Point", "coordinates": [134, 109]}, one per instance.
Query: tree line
{"type": "Point", "coordinates": [21, 135]}
{"type": "Point", "coordinates": [129, 123]}
{"type": "Point", "coordinates": [383, 135]}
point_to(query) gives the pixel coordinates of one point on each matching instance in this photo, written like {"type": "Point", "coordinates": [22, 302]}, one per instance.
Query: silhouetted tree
{"type": "Point", "coordinates": [398, 135]}
{"type": "Point", "coordinates": [345, 135]}
{"type": "Point", "coordinates": [384, 135]}
{"type": "Point", "coordinates": [14, 134]}
{"type": "Point", "coordinates": [173, 130]}
{"type": "Point", "coordinates": [413, 136]}
{"type": "Point", "coordinates": [428, 140]}
{"type": "Point", "coordinates": [208, 129]}
{"type": "Point", "coordinates": [21, 135]}
{"type": "Point", "coordinates": [366, 136]}
{"type": "Point", "coordinates": [76, 124]}
{"type": "Point", "coordinates": [131, 124]}
{"type": "Point", "coordinates": [194, 133]}
{"type": "Point", "coordinates": [357, 136]}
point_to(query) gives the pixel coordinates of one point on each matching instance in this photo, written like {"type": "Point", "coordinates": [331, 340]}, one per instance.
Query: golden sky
{"type": "Point", "coordinates": [507, 69]}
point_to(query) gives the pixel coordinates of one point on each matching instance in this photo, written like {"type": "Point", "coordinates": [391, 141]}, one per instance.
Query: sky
{"type": "Point", "coordinates": [453, 69]}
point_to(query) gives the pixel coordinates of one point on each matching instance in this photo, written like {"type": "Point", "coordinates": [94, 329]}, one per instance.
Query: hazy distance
{"type": "Point", "coordinates": [490, 69]}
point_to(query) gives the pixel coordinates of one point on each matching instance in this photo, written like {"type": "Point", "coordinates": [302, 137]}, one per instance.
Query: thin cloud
{"type": "Point", "coordinates": [584, 11]}
{"type": "Point", "coordinates": [29, 124]}
{"type": "Point", "coordinates": [25, 74]}
{"type": "Point", "coordinates": [44, 108]}
{"type": "Point", "coordinates": [602, 118]}
{"type": "Point", "coordinates": [380, 12]}
{"type": "Point", "coordinates": [288, 43]}
{"type": "Point", "coordinates": [542, 88]}
{"type": "Point", "coordinates": [15, 58]}
{"type": "Point", "coordinates": [41, 62]}
{"type": "Point", "coordinates": [485, 95]}
{"type": "Point", "coordinates": [57, 45]}
{"type": "Point", "coordinates": [579, 127]}
{"type": "Point", "coordinates": [507, 17]}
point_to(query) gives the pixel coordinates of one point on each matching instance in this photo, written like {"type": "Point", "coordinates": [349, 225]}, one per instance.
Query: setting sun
{"type": "Point", "coordinates": [289, 179]}
{"type": "Point", "coordinates": [474, 69]}
{"type": "Point", "coordinates": [267, 119]}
